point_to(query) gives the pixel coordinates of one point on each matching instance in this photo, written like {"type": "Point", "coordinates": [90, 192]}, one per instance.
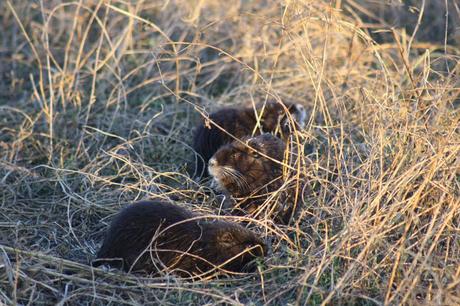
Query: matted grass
{"type": "Point", "coordinates": [98, 100]}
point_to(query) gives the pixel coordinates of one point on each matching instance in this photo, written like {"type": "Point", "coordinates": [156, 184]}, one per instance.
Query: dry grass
{"type": "Point", "coordinates": [97, 103]}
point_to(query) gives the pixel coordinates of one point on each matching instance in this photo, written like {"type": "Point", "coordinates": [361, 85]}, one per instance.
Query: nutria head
{"type": "Point", "coordinates": [154, 236]}
{"type": "Point", "coordinates": [230, 245]}
{"type": "Point", "coordinates": [276, 119]}
{"type": "Point", "coordinates": [251, 167]}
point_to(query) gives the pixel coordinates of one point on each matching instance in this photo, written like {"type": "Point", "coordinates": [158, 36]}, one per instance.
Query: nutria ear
{"type": "Point", "coordinates": [226, 237]}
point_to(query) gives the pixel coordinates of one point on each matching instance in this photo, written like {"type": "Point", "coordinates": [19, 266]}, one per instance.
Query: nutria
{"type": "Point", "coordinates": [241, 122]}
{"type": "Point", "coordinates": [249, 171]}
{"type": "Point", "coordinates": [154, 236]}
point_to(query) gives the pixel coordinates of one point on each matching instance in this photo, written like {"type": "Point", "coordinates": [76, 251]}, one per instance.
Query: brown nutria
{"type": "Point", "coordinates": [154, 236]}
{"type": "Point", "coordinates": [241, 122]}
{"type": "Point", "coordinates": [249, 171]}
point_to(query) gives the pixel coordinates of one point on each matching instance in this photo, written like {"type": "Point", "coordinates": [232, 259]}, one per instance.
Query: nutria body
{"type": "Point", "coordinates": [153, 236]}
{"type": "Point", "coordinates": [241, 122]}
{"type": "Point", "coordinates": [249, 171]}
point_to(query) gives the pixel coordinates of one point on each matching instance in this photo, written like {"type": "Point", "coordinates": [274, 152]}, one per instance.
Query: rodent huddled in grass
{"type": "Point", "coordinates": [273, 117]}
{"type": "Point", "coordinates": [249, 171]}
{"type": "Point", "coordinates": [154, 236]}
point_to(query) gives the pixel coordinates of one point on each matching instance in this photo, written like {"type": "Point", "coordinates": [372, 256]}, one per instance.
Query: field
{"type": "Point", "coordinates": [99, 98]}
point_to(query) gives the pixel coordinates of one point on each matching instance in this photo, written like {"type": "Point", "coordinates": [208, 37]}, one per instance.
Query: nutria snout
{"type": "Point", "coordinates": [154, 236]}
{"type": "Point", "coordinates": [241, 123]}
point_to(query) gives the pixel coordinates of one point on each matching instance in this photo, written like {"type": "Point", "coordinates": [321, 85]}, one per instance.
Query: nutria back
{"type": "Point", "coordinates": [249, 171]}
{"type": "Point", "coordinates": [241, 122]}
{"type": "Point", "coordinates": [154, 236]}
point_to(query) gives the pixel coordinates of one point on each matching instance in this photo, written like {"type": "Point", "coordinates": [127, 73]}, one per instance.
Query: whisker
{"type": "Point", "coordinates": [241, 177]}
{"type": "Point", "coordinates": [237, 177]}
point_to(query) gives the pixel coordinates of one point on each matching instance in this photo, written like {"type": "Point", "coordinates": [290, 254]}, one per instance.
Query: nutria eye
{"type": "Point", "coordinates": [255, 154]}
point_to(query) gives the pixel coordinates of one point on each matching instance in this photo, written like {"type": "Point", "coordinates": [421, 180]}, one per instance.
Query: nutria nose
{"type": "Point", "coordinates": [299, 107]}
{"type": "Point", "coordinates": [212, 162]}
{"type": "Point", "coordinates": [259, 249]}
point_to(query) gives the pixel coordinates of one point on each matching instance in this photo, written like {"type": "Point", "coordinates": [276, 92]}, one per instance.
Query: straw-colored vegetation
{"type": "Point", "coordinates": [98, 99]}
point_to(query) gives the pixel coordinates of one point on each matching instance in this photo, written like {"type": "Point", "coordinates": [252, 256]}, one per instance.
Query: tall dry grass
{"type": "Point", "coordinates": [97, 104]}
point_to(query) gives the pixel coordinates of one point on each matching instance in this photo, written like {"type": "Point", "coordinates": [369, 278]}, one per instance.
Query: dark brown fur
{"type": "Point", "coordinates": [242, 170]}
{"type": "Point", "coordinates": [152, 236]}
{"type": "Point", "coordinates": [240, 122]}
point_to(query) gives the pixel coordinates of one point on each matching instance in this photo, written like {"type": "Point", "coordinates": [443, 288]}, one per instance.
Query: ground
{"type": "Point", "coordinates": [98, 100]}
